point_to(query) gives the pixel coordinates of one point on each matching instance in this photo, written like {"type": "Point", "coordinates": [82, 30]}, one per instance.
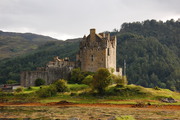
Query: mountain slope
{"type": "Point", "coordinates": [151, 50]}
{"type": "Point", "coordinates": [15, 44]}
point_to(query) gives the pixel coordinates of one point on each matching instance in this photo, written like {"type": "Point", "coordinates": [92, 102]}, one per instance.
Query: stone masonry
{"type": "Point", "coordinates": [96, 51]}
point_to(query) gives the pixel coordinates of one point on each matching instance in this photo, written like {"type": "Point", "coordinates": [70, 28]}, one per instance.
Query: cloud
{"type": "Point", "coordinates": [68, 18]}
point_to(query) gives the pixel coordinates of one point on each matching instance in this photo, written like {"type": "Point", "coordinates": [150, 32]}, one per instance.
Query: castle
{"type": "Point", "coordinates": [96, 51]}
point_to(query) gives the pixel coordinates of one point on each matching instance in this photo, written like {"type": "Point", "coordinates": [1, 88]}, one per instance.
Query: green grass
{"type": "Point", "coordinates": [80, 93]}
{"type": "Point", "coordinates": [77, 87]}
{"type": "Point", "coordinates": [31, 89]}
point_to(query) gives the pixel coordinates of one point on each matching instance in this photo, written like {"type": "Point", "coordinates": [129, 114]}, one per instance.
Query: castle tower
{"type": "Point", "coordinates": [97, 51]}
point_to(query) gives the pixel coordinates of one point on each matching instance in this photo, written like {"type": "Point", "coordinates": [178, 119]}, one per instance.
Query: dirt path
{"type": "Point", "coordinates": [59, 104]}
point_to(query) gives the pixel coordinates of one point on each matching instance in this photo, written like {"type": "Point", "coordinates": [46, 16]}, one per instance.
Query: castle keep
{"type": "Point", "coordinates": [96, 51]}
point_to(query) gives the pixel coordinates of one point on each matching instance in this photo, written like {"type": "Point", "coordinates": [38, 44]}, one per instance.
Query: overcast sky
{"type": "Point", "coordinates": [63, 19]}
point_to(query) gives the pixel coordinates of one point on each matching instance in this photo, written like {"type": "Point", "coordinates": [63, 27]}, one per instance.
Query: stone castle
{"type": "Point", "coordinates": [96, 51]}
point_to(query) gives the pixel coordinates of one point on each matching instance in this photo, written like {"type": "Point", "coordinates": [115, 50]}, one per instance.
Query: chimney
{"type": "Point", "coordinates": [92, 34]}
{"type": "Point", "coordinates": [92, 31]}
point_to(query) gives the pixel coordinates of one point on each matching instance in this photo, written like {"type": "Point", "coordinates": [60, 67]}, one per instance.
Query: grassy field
{"type": "Point", "coordinates": [80, 93]}
{"type": "Point", "coordinates": [87, 113]}
{"type": "Point", "coordinates": [90, 105]}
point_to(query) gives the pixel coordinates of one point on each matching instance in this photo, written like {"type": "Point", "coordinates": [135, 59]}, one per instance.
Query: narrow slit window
{"type": "Point", "coordinates": [108, 52]}
{"type": "Point", "coordinates": [92, 58]}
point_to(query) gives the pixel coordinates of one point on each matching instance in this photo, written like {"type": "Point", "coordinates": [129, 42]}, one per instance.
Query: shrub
{"type": "Point", "coordinates": [19, 89]}
{"type": "Point", "coordinates": [39, 82]}
{"type": "Point", "coordinates": [88, 80]}
{"type": "Point", "coordinates": [101, 80]}
{"type": "Point", "coordinates": [11, 82]}
{"type": "Point", "coordinates": [48, 91]}
{"type": "Point", "coordinates": [30, 88]}
{"type": "Point", "coordinates": [120, 80]}
{"type": "Point", "coordinates": [61, 85]}
{"type": "Point", "coordinates": [77, 76]}
{"type": "Point", "coordinates": [157, 88]}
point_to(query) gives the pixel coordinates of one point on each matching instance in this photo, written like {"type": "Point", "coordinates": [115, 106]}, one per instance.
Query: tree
{"type": "Point", "coordinates": [76, 76]}
{"type": "Point", "coordinates": [61, 85]}
{"type": "Point", "coordinates": [101, 80]}
{"type": "Point", "coordinates": [39, 82]}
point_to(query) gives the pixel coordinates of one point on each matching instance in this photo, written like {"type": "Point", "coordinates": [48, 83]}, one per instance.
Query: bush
{"type": "Point", "coordinates": [157, 88]}
{"type": "Point", "coordinates": [19, 89]}
{"type": "Point", "coordinates": [61, 85]}
{"type": "Point", "coordinates": [11, 82]}
{"type": "Point", "coordinates": [77, 76]}
{"type": "Point", "coordinates": [48, 91]}
{"type": "Point", "coordinates": [120, 80]}
{"type": "Point", "coordinates": [88, 80]}
{"type": "Point", "coordinates": [101, 80]}
{"type": "Point", "coordinates": [30, 88]}
{"type": "Point", "coordinates": [39, 82]}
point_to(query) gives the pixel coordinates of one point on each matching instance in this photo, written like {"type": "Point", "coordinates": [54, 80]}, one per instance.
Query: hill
{"type": "Point", "coordinates": [152, 53]}
{"type": "Point", "coordinates": [15, 44]}
{"type": "Point", "coordinates": [150, 48]}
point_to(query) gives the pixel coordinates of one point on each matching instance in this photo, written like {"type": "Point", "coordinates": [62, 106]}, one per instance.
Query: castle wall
{"type": "Point", "coordinates": [92, 59]}
{"type": "Point", "coordinates": [97, 51]}
{"type": "Point", "coordinates": [28, 77]}
{"type": "Point", "coordinates": [111, 54]}
{"type": "Point", "coordinates": [50, 75]}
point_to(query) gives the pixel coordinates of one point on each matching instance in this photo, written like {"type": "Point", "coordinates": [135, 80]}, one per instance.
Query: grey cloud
{"type": "Point", "coordinates": [75, 17]}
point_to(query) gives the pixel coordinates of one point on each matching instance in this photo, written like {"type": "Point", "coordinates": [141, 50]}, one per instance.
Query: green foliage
{"type": "Point", "coordinates": [39, 82]}
{"type": "Point", "coordinates": [157, 88]}
{"type": "Point", "coordinates": [19, 89]}
{"type": "Point", "coordinates": [11, 82]}
{"type": "Point", "coordinates": [88, 80]}
{"type": "Point", "coordinates": [120, 80]}
{"type": "Point", "coordinates": [150, 48]}
{"type": "Point", "coordinates": [77, 87]}
{"type": "Point", "coordinates": [101, 80]}
{"type": "Point", "coordinates": [61, 85]}
{"type": "Point", "coordinates": [11, 68]}
{"type": "Point", "coordinates": [125, 117]}
{"type": "Point", "coordinates": [77, 76]}
{"type": "Point", "coordinates": [47, 91]}
{"type": "Point", "coordinates": [127, 92]}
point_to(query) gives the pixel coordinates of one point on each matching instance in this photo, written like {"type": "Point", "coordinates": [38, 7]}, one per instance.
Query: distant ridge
{"type": "Point", "coordinates": [14, 44]}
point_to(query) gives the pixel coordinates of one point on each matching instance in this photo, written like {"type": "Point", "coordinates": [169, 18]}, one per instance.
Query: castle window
{"type": "Point", "coordinates": [92, 58]}
{"type": "Point", "coordinates": [108, 52]}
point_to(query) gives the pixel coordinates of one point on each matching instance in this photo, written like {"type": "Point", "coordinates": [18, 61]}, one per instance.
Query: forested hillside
{"type": "Point", "coordinates": [15, 44]}
{"type": "Point", "coordinates": [151, 50]}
